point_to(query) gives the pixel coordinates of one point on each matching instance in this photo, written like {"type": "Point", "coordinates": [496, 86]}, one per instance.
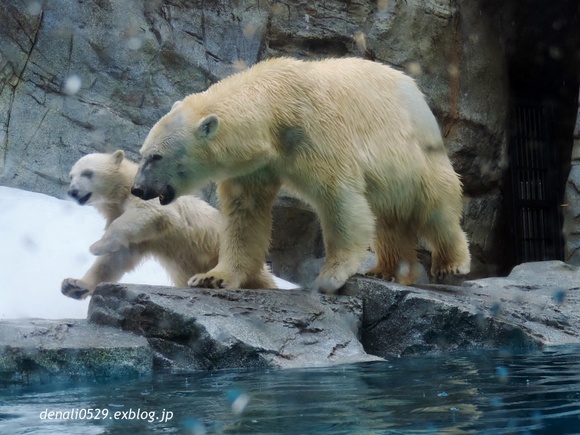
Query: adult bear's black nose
{"type": "Point", "coordinates": [137, 191]}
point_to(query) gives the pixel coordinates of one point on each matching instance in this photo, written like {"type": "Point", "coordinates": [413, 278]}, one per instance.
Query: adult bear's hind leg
{"type": "Point", "coordinates": [395, 247]}
{"type": "Point", "coordinates": [448, 245]}
{"type": "Point", "coordinates": [348, 226]}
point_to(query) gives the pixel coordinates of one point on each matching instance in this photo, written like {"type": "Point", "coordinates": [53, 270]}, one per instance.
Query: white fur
{"type": "Point", "coordinates": [354, 138]}
{"type": "Point", "coordinates": [183, 237]}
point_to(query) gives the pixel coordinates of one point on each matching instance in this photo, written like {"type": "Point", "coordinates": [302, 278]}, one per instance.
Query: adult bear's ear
{"type": "Point", "coordinates": [208, 126]}
{"type": "Point", "coordinates": [118, 156]}
{"type": "Point", "coordinates": [177, 103]}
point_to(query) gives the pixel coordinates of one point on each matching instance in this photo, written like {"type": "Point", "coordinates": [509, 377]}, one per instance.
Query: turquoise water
{"type": "Point", "coordinates": [485, 392]}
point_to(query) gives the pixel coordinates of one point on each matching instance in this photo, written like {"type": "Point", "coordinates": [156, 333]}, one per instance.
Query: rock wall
{"type": "Point", "coordinates": [572, 201]}
{"type": "Point", "coordinates": [80, 77]}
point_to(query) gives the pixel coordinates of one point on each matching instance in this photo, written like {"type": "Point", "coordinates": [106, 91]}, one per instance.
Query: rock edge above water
{"type": "Point", "coordinates": [39, 351]}
{"type": "Point", "coordinates": [133, 329]}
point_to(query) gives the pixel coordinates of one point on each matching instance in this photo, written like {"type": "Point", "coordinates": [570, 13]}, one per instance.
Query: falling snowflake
{"type": "Point", "coordinates": [72, 85]}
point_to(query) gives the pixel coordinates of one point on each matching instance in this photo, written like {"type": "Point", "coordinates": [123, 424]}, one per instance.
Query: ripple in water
{"type": "Point", "coordinates": [486, 392]}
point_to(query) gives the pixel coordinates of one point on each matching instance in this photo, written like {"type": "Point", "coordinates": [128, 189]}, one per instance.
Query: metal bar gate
{"type": "Point", "coordinates": [535, 170]}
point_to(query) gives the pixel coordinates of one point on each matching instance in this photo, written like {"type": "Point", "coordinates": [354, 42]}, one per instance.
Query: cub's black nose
{"type": "Point", "coordinates": [73, 193]}
{"type": "Point", "coordinates": [137, 191]}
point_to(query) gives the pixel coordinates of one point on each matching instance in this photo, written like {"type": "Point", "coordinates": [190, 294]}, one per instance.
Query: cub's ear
{"type": "Point", "coordinates": [177, 103]}
{"type": "Point", "coordinates": [208, 127]}
{"type": "Point", "coordinates": [118, 156]}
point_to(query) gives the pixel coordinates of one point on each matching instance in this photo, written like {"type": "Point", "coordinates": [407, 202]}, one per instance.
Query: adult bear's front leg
{"type": "Point", "coordinates": [246, 204]}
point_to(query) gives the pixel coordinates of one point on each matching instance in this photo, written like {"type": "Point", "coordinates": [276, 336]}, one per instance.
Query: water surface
{"type": "Point", "coordinates": [460, 393]}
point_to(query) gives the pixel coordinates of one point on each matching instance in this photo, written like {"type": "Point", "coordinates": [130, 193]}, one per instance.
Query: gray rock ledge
{"type": "Point", "coordinates": [39, 351]}
{"type": "Point", "coordinates": [537, 304]}
{"type": "Point", "coordinates": [134, 329]}
{"type": "Point", "coordinates": [213, 329]}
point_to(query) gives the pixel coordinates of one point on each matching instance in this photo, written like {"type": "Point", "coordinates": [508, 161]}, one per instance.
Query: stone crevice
{"type": "Point", "coordinates": [390, 311]}
{"type": "Point", "coordinates": [337, 348]}
{"type": "Point", "coordinates": [34, 41]}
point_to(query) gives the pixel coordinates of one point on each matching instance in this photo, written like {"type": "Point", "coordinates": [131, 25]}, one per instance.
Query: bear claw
{"type": "Point", "coordinates": [383, 276]}
{"type": "Point", "coordinates": [207, 282]}
{"type": "Point", "coordinates": [442, 273]}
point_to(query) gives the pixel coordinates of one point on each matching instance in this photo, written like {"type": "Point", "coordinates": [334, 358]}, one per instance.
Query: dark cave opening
{"type": "Point", "coordinates": [543, 54]}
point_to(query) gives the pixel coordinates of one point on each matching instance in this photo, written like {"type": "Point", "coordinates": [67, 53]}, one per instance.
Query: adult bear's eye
{"type": "Point", "coordinates": [156, 157]}
{"type": "Point", "coordinates": [87, 173]}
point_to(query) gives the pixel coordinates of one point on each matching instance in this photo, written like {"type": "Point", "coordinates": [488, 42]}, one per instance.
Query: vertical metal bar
{"type": "Point", "coordinates": [523, 240]}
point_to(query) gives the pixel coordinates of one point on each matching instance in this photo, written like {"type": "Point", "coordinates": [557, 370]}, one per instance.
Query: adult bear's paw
{"type": "Point", "coordinates": [376, 273]}
{"type": "Point", "coordinates": [75, 288]}
{"type": "Point", "coordinates": [329, 285]}
{"type": "Point", "coordinates": [218, 280]}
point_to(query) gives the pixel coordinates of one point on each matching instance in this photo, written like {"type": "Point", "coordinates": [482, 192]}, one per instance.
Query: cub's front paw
{"type": "Point", "coordinates": [213, 280]}
{"type": "Point", "coordinates": [105, 246]}
{"type": "Point", "coordinates": [75, 288]}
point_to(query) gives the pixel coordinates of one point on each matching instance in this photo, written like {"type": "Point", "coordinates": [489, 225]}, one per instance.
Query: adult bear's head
{"type": "Point", "coordinates": [177, 155]}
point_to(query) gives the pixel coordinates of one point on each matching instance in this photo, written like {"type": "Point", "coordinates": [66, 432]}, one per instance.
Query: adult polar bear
{"type": "Point", "coordinates": [352, 137]}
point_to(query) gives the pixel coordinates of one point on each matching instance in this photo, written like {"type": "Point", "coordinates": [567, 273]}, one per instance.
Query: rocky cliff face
{"type": "Point", "coordinates": [572, 202]}
{"type": "Point", "coordinates": [79, 77]}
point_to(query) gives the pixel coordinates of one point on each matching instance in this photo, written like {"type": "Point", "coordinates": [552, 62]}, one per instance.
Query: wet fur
{"type": "Point", "coordinates": [183, 237]}
{"type": "Point", "coordinates": [353, 138]}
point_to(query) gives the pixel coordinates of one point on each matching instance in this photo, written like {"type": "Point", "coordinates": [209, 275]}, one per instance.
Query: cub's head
{"type": "Point", "coordinates": [96, 178]}
{"type": "Point", "coordinates": [176, 156]}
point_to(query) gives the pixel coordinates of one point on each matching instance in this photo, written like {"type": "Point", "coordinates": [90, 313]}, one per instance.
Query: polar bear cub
{"type": "Point", "coordinates": [183, 237]}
